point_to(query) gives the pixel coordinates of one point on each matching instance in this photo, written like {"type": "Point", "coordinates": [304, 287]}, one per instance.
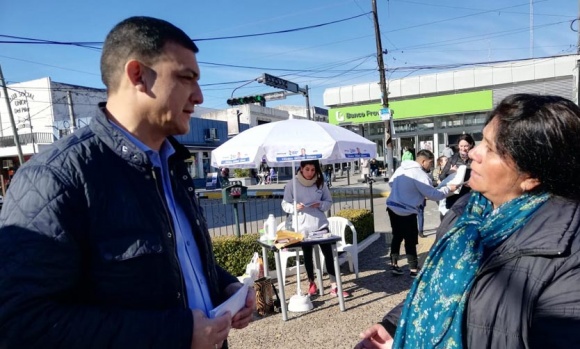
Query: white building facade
{"type": "Point", "coordinates": [43, 111]}
{"type": "Point", "coordinates": [431, 111]}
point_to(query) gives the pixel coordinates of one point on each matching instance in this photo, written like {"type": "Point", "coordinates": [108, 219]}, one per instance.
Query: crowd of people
{"type": "Point", "coordinates": [126, 261]}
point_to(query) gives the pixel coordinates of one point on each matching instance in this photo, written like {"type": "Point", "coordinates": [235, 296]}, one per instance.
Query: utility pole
{"type": "Point", "coordinates": [307, 96]}
{"type": "Point", "coordinates": [578, 53]}
{"type": "Point", "coordinates": [73, 122]}
{"type": "Point", "coordinates": [531, 28]}
{"type": "Point", "coordinates": [30, 125]}
{"type": "Point", "coordinates": [11, 116]}
{"type": "Point", "coordinates": [384, 93]}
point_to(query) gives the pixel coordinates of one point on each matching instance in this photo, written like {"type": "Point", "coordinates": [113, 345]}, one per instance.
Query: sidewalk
{"type": "Point", "coordinates": [374, 293]}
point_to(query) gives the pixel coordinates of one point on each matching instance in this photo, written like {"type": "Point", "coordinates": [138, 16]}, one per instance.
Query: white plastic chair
{"type": "Point", "coordinates": [337, 226]}
{"type": "Point", "coordinates": [290, 252]}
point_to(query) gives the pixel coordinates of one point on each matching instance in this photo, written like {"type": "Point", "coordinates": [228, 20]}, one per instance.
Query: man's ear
{"type": "Point", "coordinates": [135, 72]}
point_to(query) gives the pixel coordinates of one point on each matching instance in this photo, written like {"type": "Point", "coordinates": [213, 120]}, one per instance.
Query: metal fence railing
{"type": "Point", "coordinates": [252, 213]}
{"type": "Point", "coordinates": [27, 138]}
{"type": "Point", "coordinates": [356, 198]}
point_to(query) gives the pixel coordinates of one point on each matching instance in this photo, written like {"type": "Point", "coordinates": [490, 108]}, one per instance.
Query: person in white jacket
{"type": "Point", "coordinates": [410, 185]}
{"type": "Point", "coordinates": [313, 199]}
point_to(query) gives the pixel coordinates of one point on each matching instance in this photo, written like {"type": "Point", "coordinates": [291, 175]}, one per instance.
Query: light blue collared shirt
{"type": "Point", "coordinates": [189, 259]}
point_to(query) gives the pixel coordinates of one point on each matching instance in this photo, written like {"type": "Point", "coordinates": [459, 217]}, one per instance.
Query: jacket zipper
{"type": "Point", "coordinates": [164, 203]}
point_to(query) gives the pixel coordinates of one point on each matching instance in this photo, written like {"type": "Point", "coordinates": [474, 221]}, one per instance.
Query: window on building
{"type": "Point", "coordinates": [475, 119]}
{"type": "Point", "coordinates": [405, 126]}
{"type": "Point", "coordinates": [413, 125]}
{"type": "Point", "coordinates": [191, 164]}
{"type": "Point", "coordinates": [450, 121]}
{"type": "Point", "coordinates": [376, 129]}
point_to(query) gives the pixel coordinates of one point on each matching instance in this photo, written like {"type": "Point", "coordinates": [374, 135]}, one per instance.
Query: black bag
{"type": "Point", "coordinates": [265, 302]}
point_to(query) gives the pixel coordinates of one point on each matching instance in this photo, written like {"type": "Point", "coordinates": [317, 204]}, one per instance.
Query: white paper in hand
{"type": "Point", "coordinates": [455, 178]}
{"type": "Point", "coordinates": [234, 304]}
{"type": "Point", "coordinates": [459, 176]}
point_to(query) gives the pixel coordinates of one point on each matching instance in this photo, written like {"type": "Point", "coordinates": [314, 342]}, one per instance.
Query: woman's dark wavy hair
{"type": "Point", "coordinates": [466, 137]}
{"type": "Point", "coordinates": [542, 135]}
{"type": "Point", "coordinates": [318, 171]}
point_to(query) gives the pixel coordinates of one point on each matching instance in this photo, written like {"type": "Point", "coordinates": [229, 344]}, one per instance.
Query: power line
{"type": "Point", "coordinates": [439, 5]}
{"type": "Point", "coordinates": [281, 31]}
{"type": "Point", "coordinates": [89, 44]}
{"type": "Point", "coordinates": [50, 65]}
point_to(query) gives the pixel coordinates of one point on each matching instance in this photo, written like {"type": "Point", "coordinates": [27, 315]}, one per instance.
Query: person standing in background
{"type": "Point", "coordinates": [328, 175]}
{"type": "Point", "coordinates": [465, 144]}
{"type": "Point", "coordinates": [123, 260]}
{"type": "Point", "coordinates": [374, 168]}
{"type": "Point", "coordinates": [407, 155]}
{"type": "Point", "coordinates": [441, 162]}
{"type": "Point", "coordinates": [365, 169]}
{"type": "Point", "coordinates": [448, 151]}
{"type": "Point", "coordinates": [410, 185]}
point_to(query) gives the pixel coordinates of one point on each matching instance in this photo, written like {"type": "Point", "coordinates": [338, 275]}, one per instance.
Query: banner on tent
{"type": "Point", "coordinates": [355, 153]}
{"type": "Point", "coordinates": [299, 157]}
{"type": "Point", "coordinates": [235, 158]}
{"type": "Point", "coordinates": [234, 161]}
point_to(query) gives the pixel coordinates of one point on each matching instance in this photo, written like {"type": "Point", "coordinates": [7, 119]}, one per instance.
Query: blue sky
{"type": "Point", "coordinates": [421, 37]}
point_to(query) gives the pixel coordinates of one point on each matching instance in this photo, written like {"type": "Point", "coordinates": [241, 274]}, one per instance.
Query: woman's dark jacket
{"type": "Point", "coordinates": [527, 292]}
{"type": "Point", "coordinates": [456, 160]}
{"type": "Point", "coordinates": [87, 248]}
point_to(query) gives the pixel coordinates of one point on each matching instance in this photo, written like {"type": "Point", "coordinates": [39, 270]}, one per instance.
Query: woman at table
{"type": "Point", "coordinates": [505, 269]}
{"type": "Point", "coordinates": [313, 199]}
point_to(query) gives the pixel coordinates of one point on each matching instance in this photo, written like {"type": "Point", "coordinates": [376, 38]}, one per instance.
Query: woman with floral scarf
{"type": "Point", "coordinates": [505, 269]}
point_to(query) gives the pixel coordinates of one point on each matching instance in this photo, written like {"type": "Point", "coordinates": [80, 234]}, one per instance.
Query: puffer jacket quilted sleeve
{"type": "Point", "coordinates": [41, 267]}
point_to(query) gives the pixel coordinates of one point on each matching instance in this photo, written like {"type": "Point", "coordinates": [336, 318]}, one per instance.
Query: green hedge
{"type": "Point", "coordinates": [233, 254]}
{"type": "Point", "coordinates": [241, 172]}
{"type": "Point", "coordinates": [363, 221]}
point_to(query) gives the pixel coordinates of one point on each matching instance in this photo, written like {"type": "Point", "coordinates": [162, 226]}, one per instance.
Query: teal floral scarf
{"type": "Point", "coordinates": [433, 312]}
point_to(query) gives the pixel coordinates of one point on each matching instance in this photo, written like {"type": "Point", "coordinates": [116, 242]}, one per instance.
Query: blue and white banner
{"type": "Point", "coordinates": [299, 157]}
{"type": "Point", "coordinates": [357, 155]}
{"type": "Point", "coordinates": [234, 161]}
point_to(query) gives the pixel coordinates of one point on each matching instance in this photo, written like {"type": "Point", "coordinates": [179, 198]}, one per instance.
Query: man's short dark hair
{"type": "Point", "coordinates": [142, 38]}
{"type": "Point", "coordinates": [426, 154]}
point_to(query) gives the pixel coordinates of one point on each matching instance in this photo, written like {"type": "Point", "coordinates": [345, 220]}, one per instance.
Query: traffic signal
{"type": "Point", "coordinates": [247, 100]}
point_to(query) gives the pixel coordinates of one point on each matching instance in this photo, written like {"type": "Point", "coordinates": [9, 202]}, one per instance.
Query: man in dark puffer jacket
{"type": "Point", "coordinates": [102, 241]}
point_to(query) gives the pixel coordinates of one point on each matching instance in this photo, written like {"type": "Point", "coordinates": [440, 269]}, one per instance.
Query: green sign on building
{"type": "Point", "coordinates": [414, 108]}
